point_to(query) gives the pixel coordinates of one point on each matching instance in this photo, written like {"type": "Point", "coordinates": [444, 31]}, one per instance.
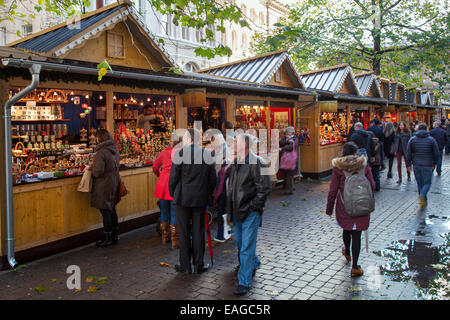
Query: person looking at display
{"type": "Point", "coordinates": [288, 143]}
{"type": "Point", "coordinates": [375, 128]}
{"type": "Point", "coordinates": [352, 129]}
{"type": "Point", "coordinates": [161, 168]}
{"type": "Point", "coordinates": [361, 138]}
{"type": "Point", "coordinates": [389, 137]}
{"type": "Point", "coordinates": [105, 185]}
{"type": "Point", "coordinates": [191, 185]}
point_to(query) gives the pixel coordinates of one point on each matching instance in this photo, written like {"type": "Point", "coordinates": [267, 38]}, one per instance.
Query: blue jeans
{"type": "Point", "coordinates": [423, 177]}
{"type": "Point", "coordinates": [439, 164]}
{"type": "Point", "coordinates": [245, 234]}
{"type": "Point", "coordinates": [167, 212]}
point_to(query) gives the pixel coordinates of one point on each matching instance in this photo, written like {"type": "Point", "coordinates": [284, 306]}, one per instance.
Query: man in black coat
{"type": "Point", "coordinates": [191, 184]}
{"type": "Point", "coordinates": [375, 128]}
{"type": "Point", "coordinates": [440, 135]}
{"type": "Point", "coordinates": [361, 138]}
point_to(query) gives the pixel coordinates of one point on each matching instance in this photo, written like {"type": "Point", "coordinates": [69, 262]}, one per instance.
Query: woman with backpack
{"type": "Point", "coordinates": [402, 137]}
{"type": "Point", "coordinates": [389, 137]}
{"type": "Point", "coordinates": [349, 165]}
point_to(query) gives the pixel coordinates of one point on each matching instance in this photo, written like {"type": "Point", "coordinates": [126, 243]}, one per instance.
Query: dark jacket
{"type": "Point", "coordinates": [402, 138]}
{"type": "Point", "coordinates": [422, 150]}
{"type": "Point", "coordinates": [440, 135]}
{"type": "Point", "coordinates": [377, 152]}
{"type": "Point", "coordinates": [287, 147]}
{"type": "Point", "coordinates": [191, 184]}
{"type": "Point", "coordinates": [378, 132]}
{"type": "Point", "coordinates": [105, 184]}
{"type": "Point", "coordinates": [361, 138]}
{"type": "Point", "coordinates": [448, 131]}
{"type": "Point", "coordinates": [348, 163]}
{"type": "Point", "coordinates": [248, 188]}
{"type": "Point", "coordinates": [388, 141]}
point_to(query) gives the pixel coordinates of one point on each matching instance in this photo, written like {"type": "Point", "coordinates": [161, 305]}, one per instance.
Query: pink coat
{"type": "Point", "coordinates": [349, 163]}
{"type": "Point", "coordinates": [161, 168]}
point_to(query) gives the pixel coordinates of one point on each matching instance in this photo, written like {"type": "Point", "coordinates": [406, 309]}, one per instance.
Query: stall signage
{"type": "Point", "coordinates": [194, 98]}
{"type": "Point", "coordinates": [328, 106]}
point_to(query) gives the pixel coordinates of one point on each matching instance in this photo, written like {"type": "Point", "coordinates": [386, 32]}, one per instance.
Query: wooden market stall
{"type": "Point", "coordinates": [327, 123]}
{"type": "Point", "coordinates": [140, 102]}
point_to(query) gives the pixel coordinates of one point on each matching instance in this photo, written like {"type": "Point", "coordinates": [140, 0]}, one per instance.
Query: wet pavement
{"type": "Point", "coordinates": [299, 247]}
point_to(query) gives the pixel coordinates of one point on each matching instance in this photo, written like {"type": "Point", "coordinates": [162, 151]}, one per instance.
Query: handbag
{"type": "Point", "coordinates": [288, 160]}
{"type": "Point", "coordinates": [85, 184]}
{"type": "Point", "coordinates": [392, 151]}
{"type": "Point", "coordinates": [122, 189]}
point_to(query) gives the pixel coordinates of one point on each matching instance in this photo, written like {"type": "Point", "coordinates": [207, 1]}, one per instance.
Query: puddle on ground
{"type": "Point", "coordinates": [418, 261]}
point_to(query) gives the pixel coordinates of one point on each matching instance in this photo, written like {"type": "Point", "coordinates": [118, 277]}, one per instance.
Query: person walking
{"type": "Point", "coordinates": [192, 181]}
{"type": "Point", "coordinates": [447, 130]}
{"type": "Point", "coordinates": [352, 226]}
{"type": "Point", "coordinates": [161, 168]}
{"type": "Point", "coordinates": [378, 131]}
{"type": "Point", "coordinates": [423, 154]}
{"type": "Point", "coordinates": [288, 143]}
{"type": "Point", "coordinates": [375, 164]}
{"type": "Point", "coordinates": [361, 138]}
{"type": "Point", "coordinates": [352, 128]}
{"type": "Point", "coordinates": [402, 137]}
{"type": "Point", "coordinates": [440, 135]}
{"type": "Point", "coordinates": [249, 188]}
{"type": "Point", "coordinates": [105, 185]}
{"type": "Point", "coordinates": [389, 137]}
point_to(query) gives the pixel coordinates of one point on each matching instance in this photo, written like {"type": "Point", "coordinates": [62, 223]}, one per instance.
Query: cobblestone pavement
{"type": "Point", "coordinates": [299, 247]}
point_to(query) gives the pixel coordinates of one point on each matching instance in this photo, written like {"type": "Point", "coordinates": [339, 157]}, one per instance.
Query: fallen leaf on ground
{"type": "Point", "coordinates": [272, 293]}
{"type": "Point", "coordinates": [20, 266]}
{"type": "Point", "coordinates": [93, 289]}
{"type": "Point", "coordinates": [77, 290]}
{"type": "Point", "coordinates": [163, 264]}
{"type": "Point", "coordinates": [101, 280]}
{"type": "Point", "coordinates": [304, 199]}
{"type": "Point", "coordinates": [354, 289]}
{"type": "Point", "coordinates": [54, 280]}
{"type": "Point", "coordinates": [227, 251]}
{"type": "Point", "coordinates": [40, 289]}
{"type": "Point", "coordinates": [438, 266]}
{"type": "Point", "coordinates": [357, 298]}
{"type": "Point", "coordinates": [90, 278]}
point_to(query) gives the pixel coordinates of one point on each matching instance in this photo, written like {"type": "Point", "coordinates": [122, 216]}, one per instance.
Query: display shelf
{"type": "Point", "coordinates": [40, 120]}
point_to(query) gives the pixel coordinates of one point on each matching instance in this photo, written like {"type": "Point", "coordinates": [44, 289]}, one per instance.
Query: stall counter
{"type": "Point", "coordinates": [48, 211]}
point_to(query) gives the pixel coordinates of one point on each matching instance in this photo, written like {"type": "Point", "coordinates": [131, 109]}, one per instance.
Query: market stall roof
{"type": "Point", "coordinates": [258, 69]}
{"type": "Point", "coordinates": [367, 82]}
{"type": "Point", "coordinates": [15, 58]}
{"type": "Point", "coordinates": [59, 40]}
{"type": "Point", "coordinates": [331, 79]}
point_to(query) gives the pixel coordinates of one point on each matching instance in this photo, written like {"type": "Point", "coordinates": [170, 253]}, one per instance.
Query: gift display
{"type": "Point", "coordinates": [251, 117]}
{"type": "Point", "coordinates": [333, 127]}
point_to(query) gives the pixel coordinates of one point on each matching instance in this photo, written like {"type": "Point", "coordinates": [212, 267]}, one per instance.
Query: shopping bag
{"type": "Point", "coordinates": [288, 160]}
{"type": "Point", "coordinates": [85, 184]}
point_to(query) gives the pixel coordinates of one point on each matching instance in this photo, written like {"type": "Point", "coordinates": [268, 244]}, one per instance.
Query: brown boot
{"type": "Point", "coordinates": [174, 236]}
{"type": "Point", "coordinates": [165, 232]}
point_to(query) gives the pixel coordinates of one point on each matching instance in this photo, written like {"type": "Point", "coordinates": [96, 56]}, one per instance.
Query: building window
{"type": "Point", "coordinates": [27, 30]}
{"type": "Point", "coordinates": [116, 48]}
{"type": "Point", "coordinates": [253, 15]}
{"type": "Point", "coordinates": [2, 36]}
{"type": "Point", "coordinates": [234, 43]}
{"type": "Point", "coordinates": [244, 43]}
{"type": "Point", "coordinates": [198, 35]}
{"type": "Point", "coordinates": [224, 38]}
{"type": "Point", "coordinates": [244, 10]}
{"type": "Point", "coordinates": [261, 19]}
{"type": "Point", "coordinates": [185, 33]}
{"type": "Point", "coordinates": [278, 75]}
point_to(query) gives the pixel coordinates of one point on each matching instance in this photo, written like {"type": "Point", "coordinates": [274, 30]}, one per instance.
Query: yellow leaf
{"type": "Point", "coordinates": [101, 73]}
{"type": "Point", "coordinates": [92, 289]}
{"type": "Point", "coordinates": [77, 290]}
{"type": "Point", "coordinates": [53, 280]}
{"type": "Point", "coordinates": [90, 279]}
{"type": "Point", "coordinates": [163, 264]}
{"type": "Point", "coordinates": [227, 251]}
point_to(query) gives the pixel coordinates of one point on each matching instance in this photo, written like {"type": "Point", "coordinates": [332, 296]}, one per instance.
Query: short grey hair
{"type": "Point", "coordinates": [290, 129]}
{"type": "Point", "coordinates": [359, 126]}
{"type": "Point", "coordinates": [437, 123]}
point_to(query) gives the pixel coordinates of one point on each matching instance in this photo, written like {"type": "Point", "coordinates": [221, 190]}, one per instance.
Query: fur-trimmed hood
{"type": "Point", "coordinates": [349, 163]}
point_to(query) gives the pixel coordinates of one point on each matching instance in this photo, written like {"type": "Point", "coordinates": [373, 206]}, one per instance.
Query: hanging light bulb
{"type": "Point", "coordinates": [148, 99]}
{"type": "Point", "coordinates": [101, 97]}
{"type": "Point", "coordinates": [71, 93]}
{"type": "Point", "coordinates": [87, 96]}
{"type": "Point", "coordinates": [114, 97]}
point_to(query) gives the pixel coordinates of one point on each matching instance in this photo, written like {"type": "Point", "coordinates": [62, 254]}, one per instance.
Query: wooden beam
{"type": "Point", "coordinates": [4, 95]}
{"type": "Point", "coordinates": [110, 112]}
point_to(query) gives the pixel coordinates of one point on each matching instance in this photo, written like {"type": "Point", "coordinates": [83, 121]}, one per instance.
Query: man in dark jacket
{"type": "Point", "coordinates": [375, 128]}
{"type": "Point", "coordinates": [440, 135]}
{"type": "Point", "coordinates": [362, 140]}
{"type": "Point", "coordinates": [191, 184]}
{"type": "Point", "coordinates": [423, 153]}
{"type": "Point", "coordinates": [249, 187]}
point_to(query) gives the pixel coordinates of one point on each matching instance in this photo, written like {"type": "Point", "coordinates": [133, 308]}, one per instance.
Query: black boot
{"type": "Point", "coordinates": [115, 235]}
{"type": "Point", "coordinates": [106, 242]}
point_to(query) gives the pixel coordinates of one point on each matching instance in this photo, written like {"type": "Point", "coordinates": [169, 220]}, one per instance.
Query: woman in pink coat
{"type": "Point", "coordinates": [352, 226]}
{"type": "Point", "coordinates": [161, 168]}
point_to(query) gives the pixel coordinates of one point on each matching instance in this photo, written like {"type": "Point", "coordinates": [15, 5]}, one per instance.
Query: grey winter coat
{"type": "Point", "coordinates": [403, 138]}
{"type": "Point", "coordinates": [105, 185]}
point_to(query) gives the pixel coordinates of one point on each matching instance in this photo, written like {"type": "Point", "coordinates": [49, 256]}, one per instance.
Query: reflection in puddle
{"type": "Point", "coordinates": [427, 266]}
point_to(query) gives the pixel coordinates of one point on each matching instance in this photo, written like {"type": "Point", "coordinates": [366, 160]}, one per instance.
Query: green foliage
{"type": "Point", "coordinates": [405, 40]}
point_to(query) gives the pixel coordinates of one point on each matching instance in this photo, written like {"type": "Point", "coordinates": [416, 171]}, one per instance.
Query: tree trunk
{"type": "Point", "coordinates": [376, 34]}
